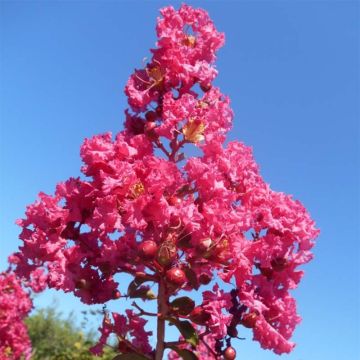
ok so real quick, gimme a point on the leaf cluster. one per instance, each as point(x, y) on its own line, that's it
point(55, 337)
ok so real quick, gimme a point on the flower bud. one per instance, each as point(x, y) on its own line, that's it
point(148, 249)
point(205, 87)
point(176, 276)
point(199, 316)
point(82, 284)
point(116, 294)
point(204, 244)
point(174, 200)
point(204, 279)
point(229, 353)
point(149, 130)
point(249, 320)
point(167, 253)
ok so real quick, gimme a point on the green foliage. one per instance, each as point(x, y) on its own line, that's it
point(54, 337)
point(187, 331)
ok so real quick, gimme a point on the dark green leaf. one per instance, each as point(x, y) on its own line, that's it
point(187, 331)
point(144, 293)
point(135, 284)
point(192, 278)
point(183, 305)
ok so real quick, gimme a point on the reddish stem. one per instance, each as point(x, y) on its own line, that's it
point(162, 310)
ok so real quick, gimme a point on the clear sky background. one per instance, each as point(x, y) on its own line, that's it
point(291, 70)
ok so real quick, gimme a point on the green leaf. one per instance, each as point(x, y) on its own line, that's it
point(130, 356)
point(187, 331)
point(184, 353)
point(183, 305)
point(135, 284)
point(144, 293)
point(191, 276)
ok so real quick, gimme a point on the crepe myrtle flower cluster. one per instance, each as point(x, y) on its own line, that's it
point(15, 304)
point(177, 222)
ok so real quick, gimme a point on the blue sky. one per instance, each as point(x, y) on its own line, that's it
point(291, 70)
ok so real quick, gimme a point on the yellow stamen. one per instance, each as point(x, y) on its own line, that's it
point(190, 41)
point(155, 73)
point(202, 104)
point(8, 351)
point(194, 131)
point(137, 190)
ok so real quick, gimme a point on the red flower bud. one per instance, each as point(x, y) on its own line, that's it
point(205, 87)
point(204, 244)
point(204, 279)
point(229, 353)
point(174, 200)
point(199, 316)
point(149, 130)
point(249, 320)
point(116, 294)
point(176, 276)
point(148, 249)
point(82, 284)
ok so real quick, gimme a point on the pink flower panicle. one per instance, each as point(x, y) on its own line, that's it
point(205, 215)
point(15, 305)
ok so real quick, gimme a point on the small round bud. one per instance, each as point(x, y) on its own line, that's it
point(199, 316)
point(148, 249)
point(229, 353)
point(205, 87)
point(174, 200)
point(176, 276)
point(82, 284)
point(116, 294)
point(149, 130)
point(204, 244)
point(204, 279)
point(249, 320)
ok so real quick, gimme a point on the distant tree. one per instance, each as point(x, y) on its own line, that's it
point(55, 337)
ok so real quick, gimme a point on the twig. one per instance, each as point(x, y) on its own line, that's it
point(142, 311)
point(162, 310)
